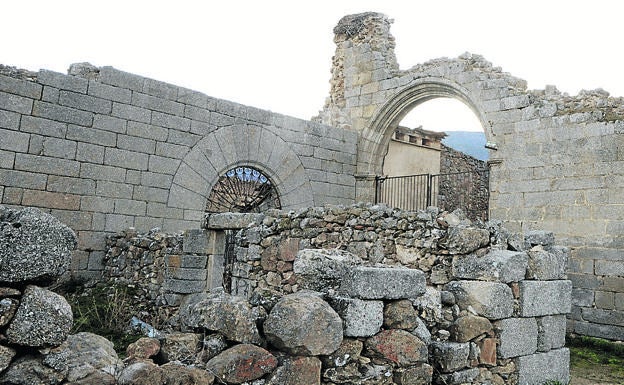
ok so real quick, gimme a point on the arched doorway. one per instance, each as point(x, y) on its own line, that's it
point(413, 168)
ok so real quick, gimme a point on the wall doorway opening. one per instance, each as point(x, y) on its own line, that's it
point(437, 156)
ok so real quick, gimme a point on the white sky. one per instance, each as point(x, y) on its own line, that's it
point(276, 55)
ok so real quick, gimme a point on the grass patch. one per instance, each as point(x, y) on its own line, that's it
point(104, 310)
point(590, 354)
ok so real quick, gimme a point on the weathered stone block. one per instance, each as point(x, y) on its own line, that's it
point(62, 114)
point(517, 336)
point(186, 261)
point(468, 327)
point(539, 237)
point(538, 298)
point(498, 265)
point(232, 220)
point(215, 270)
point(203, 242)
point(460, 377)
point(43, 319)
point(185, 273)
point(551, 332)
point(84, 102)
point(613, 268)
point(20, 87)
point(323, 269)
point(536, 369)
point(383, 283)
point(487, 351)
point(601, 316)
point(400, 315)
point(603, 299)
point(414, 375)
point(397, 346)
point(489, 299)
point(610, 332)
point(126, 111)
point(62, 81)
point(297, 371)
point(105, 91)
point(230, 315)
point(184, 286)
point(449, 356)
point(464, 240)
point(359, 318)
point(582, 297)
point(547, 265)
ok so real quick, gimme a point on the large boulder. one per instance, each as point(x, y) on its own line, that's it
point(143, 348)
point(304, 324)
point(141, 372)
point(84, 355)
point(242, 363)
point(43, 319)
point(36, 247)
point(29, 370)
point(229, 315)
point(182, 347)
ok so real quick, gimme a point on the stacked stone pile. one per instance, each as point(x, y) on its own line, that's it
point(400, 298)
point(494, 304)
point(142, 262)
point(36, 346)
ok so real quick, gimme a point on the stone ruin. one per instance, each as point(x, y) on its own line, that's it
point(104, 150)
point(358, 294)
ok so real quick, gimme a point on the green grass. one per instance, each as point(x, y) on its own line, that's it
point(106, 311)
point(588, 352)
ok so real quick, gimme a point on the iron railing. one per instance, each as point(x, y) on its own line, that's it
point(468, 191)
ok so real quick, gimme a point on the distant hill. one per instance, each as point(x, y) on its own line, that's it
point(468, 142)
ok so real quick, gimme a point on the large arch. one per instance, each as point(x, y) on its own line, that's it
point(233, 146)
point(375, 137)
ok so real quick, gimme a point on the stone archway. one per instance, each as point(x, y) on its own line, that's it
point(375, 137)
point(370, 94)
point(233, 146)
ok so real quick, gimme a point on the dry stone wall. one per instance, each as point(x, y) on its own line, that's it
point(464, 183)
point(420, 296)
point(557, 166)
point(104, 150)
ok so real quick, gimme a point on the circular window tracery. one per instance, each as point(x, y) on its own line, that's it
point(243, 189)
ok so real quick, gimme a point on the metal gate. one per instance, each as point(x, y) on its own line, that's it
point(229, 259)
point(468, 191)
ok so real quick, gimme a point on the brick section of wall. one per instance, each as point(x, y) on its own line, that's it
point(105, 153)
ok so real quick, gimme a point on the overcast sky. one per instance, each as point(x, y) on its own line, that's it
point(276, 55)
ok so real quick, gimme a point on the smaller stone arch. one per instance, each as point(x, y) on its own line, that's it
point(235, 146)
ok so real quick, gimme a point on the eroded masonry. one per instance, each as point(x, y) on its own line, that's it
point(104, 150)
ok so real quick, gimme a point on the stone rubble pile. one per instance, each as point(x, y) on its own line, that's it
point(587, 106)
point(489, 306)
point(369, 295)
